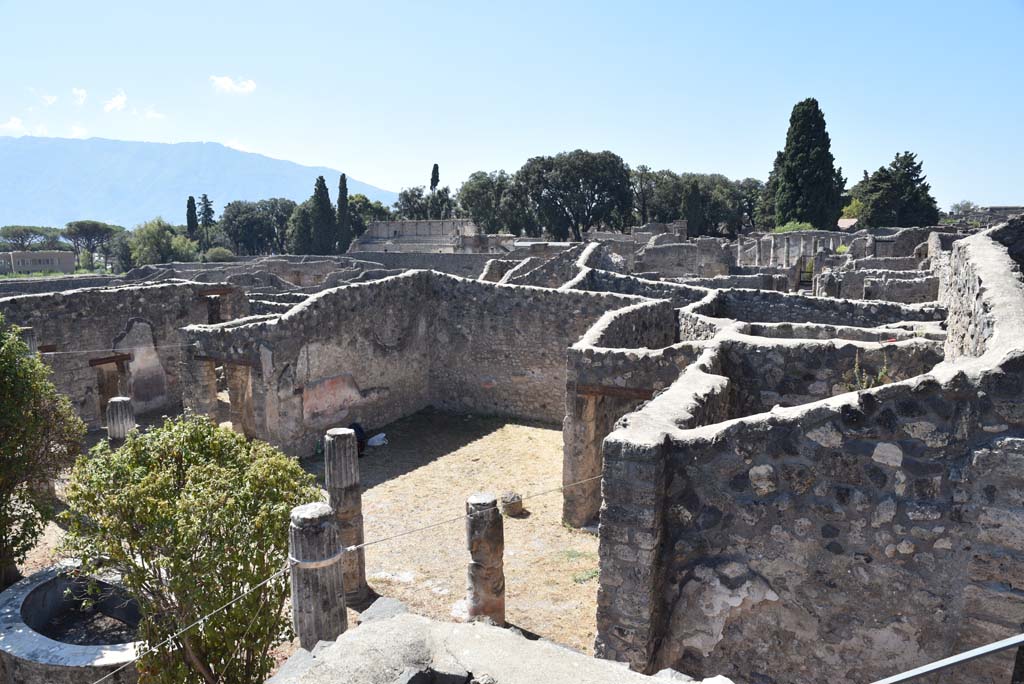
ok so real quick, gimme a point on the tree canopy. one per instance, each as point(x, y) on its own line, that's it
point(40, 435)
point(322, 219)
point(193, 515)
point(897, 195)
point(342, 222)
point(22, 238)
point(191, 219)
point(575, 191)
point(807, 185)
point(157, 242)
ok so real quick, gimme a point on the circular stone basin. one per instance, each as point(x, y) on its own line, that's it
point(47, 636)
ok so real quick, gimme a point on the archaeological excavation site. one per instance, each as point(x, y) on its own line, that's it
point(785, 458)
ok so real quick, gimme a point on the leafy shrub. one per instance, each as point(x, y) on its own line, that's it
point(192, 515)
point(842, 249)
point(40, 434)
point(793, 226)
point(218, 254)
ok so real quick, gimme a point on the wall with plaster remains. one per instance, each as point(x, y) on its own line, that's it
point(110, 341)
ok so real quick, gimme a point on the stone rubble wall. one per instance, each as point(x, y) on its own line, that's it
point(15, 286)
point(501, 350)
point(496, 269)
point(465, 265)
point(760, 281)
point(702, 257)
point(906, 290)
point(100, 322)
point(777, 307)
point(375, 352)
point(844, 539)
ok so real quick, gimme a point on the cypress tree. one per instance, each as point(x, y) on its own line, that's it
point(300, 229)
point(205, 219)
point(191, 218)
point(344, 229)
point(435, 178)
point(810, 187)
point(322, 219)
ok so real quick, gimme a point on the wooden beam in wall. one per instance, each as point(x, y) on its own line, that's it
point(613, 391)
point(211, 291)
point(115, 358)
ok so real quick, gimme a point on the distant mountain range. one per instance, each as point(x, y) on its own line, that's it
point(50, 181)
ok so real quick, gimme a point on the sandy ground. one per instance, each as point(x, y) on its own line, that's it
point(432, 463)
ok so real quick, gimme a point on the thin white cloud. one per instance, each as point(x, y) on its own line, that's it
point(40, 130)
point(79, 95)
point(236, 145)
point(13, 125)
point(151, 113)
point(78, 131)
point(226, 84)
point(49, 99)
point(116, 103)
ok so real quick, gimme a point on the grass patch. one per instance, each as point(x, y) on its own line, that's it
point(574, 555)
point(586, 576)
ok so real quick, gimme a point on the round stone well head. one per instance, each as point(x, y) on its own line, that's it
point(47, 636)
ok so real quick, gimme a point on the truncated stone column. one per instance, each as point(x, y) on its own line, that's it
point(318, 581)
point(341, 454)
point(120, 418)
point(485, 536)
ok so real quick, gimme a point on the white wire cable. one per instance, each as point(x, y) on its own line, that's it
point(315, 564)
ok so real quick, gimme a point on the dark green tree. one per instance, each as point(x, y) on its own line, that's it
point(88, 237)
point(412, 204)
point(576, 191)
point(191, 218)
point(435, 178)
point(40, 435)
point(206, 221)
point(749, 191)
point(300, 229)
point(322, 217)
point(276, 211)
point(250, 230)
point(642, 181)
point(666, 196)
point(810, 187)
point(21, 238)
point(361, 212)
point(342, 220)
point(441, 204)
point(897, 195)
point(480, 198)
point(764, 212)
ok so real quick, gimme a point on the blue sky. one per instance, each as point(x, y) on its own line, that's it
point(383, 90)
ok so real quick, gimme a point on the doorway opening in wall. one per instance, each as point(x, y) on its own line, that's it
point(111, 381)
point(236, 391)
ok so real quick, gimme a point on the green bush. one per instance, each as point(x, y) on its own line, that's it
point(39, 436)
point(219, 254)
point(192, 515)
point(842, 249)
point(793, 226)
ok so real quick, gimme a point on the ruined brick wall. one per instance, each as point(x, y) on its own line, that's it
point(90, 324)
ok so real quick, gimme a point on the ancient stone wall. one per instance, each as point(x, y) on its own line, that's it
point(118, 341)
point(907, 290)
point(15, 286)
point(465, 265)
point(702, 257)
point(759, 281)
point(596, 280)
point(501, 349)
point(767, 307)
point(847, 538)
point(378, 351)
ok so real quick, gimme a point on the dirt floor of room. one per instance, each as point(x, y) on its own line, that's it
point(432, 462)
